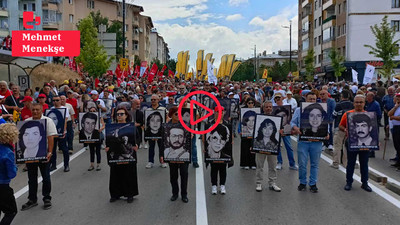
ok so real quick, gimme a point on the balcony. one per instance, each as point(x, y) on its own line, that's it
point(329, 23)
point(332, 17)
point(328, 43)
point(327, 4)
point(305, 3)
point(3, 12)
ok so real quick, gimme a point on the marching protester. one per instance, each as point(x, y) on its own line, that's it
point(394, 117)
point(8, 170)
point(247, 158)
point(95, 146)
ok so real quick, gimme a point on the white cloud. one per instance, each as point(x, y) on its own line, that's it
point(237, 2)
point(234, 17)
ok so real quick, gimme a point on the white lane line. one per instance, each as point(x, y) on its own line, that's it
point(378, 191)
point(40, 179)
point(201, 204)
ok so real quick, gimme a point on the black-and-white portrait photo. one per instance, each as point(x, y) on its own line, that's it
point(89, 126)
point(218, 143)
point(206, 101)
point(153, 123)
point(147, 98)
point(108, 102)
point(58, 117)
point(234, 108)
point(177, 142)
point(144, 106)
point(32, 143)
point(313, 121)
point(266, 136)
point(120, 138)
point(248, 118)
point(285, 112)
point(226, 103)
point(363, 131)
point(185, 113)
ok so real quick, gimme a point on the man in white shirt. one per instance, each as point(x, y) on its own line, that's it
point(354, 88)
point(70, 124)
point(32, 168)
point(290, 101)
point(60, 140)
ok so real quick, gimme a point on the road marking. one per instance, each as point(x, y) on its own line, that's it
point(40, 179)
point(201, 204)
point(378, 191)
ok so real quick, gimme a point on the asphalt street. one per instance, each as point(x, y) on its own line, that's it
point(82, 197)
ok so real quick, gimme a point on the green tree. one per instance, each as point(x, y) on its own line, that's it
point(116, 27)
point(244, 72)
point(93, 56)
point(98, 19)
point(309, 62)
point(337, 63)
point(171, 65)
point(386, 47)
point(137, 61)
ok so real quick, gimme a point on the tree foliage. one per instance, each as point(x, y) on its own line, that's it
point(280, 71)
point(386, 48)
point(337, 62)
point(244, 72)
point(98, 19)
point(309, 62)
point(93, 56)
point(171, 65)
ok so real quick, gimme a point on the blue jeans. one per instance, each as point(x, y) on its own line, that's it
point(61, 145)
point(313, 151)
point(363, 157)
point(152, 146)
point(289, 151)
point(70, 136)
point(194, 149)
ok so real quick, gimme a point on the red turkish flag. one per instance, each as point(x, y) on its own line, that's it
point(137, 71)
point(171, 74)
point(152, 73)
point(118, 71)
point(96, 82)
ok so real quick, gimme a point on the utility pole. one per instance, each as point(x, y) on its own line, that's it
point(123, 28)
point(290, 47)
point(255, 63)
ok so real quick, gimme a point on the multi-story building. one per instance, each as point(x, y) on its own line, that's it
point(270, 60)
point(344, 25)
point(159, 49)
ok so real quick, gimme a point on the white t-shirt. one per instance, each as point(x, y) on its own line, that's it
point(291, 102)
point(71, 111)
point(354, 89)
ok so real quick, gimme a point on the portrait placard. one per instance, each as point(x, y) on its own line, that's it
point(32, 143)
point(313, 121)
point(144, 106)
point(247, 118)
point(234, 108)
point(267, 138)
point(58, 117)
point(206, 101)
point(153, 123)
point(120, 139)
point(218, 143)
point(89, 126)
point(177, 142)
point(226, 103)
point(108, 102)
point(285, 112)
point(363, 131)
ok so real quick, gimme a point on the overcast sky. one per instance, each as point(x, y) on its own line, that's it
point(223, 26)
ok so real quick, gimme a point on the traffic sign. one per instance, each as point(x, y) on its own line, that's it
point(123, 63)
point(210, 112)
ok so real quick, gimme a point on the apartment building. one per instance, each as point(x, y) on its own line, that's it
point(270, 60)
point(159, 49)
point(344, 25)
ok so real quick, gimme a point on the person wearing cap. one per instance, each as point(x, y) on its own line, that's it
point(42, 101)
point(99, 102)
point(394, 116)
point(13, 102)
point(388, 104)
point(70, 124)
point(49, 95)
point(290, 101)
point(73, 102)
point(26, 111)
point(53, 87)
point(258, 95)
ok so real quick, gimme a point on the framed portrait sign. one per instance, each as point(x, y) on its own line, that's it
point(313, 121)
point(234, 108)
point(58, 117)
point(363, 131)
point(285, 112)
point(177, 142)
point(153, 123)
point(120, 138)
point(32, 143)
point(144, 106)
point(89, 127)
point(247, 121)
point(226, 103)
point(206, 101)
point(186, 115)
point(218, 144)
point(108, 102)
point(267, 138)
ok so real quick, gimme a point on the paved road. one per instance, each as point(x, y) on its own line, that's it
point(81, 197)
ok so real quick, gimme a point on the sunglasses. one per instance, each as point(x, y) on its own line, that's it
point(250, 103)
point(153, 99)
point(120, 114)
point(56, 100)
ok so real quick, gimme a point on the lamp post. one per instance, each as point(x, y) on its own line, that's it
point(123, 28)
point(255, 63)
point(290, 45)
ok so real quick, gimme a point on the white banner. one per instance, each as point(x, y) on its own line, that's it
point(369, 74)
point(355, 75)
point(210, 72)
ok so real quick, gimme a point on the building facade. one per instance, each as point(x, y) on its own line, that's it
point(159, 49)
point(345, 25)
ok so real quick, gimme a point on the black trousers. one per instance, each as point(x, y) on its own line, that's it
point(215, 169)
point(33, 180)
point(396, 140)
point(95, 148)
point(7, 204)
point(176, 169)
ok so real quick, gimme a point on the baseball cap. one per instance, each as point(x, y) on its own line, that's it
point(216, 109)
point(94, 92)
point(278, 95)
point(42, 96)
point(66, 82)
point(27, 99)
point(230, 93)
point(80, 82)
point(70, 91)
point(246, 93)
point(397, 94)
point(289, 93)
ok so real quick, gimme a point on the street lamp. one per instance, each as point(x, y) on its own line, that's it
point(255, 63)
point(290, 45)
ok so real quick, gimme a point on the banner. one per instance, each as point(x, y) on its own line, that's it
point(265, 74)
point(355, 75)
point(152, 73)
point(170, 74)
point(234, 68)
point(137, 71)
point(369, 74)
point(229, 64)
point(208, 58)
point(222, 65)
point(210, 71)
point(199, 61)
point(143, 67)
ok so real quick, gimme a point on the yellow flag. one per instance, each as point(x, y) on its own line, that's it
point(265, 74)
point(234, 68)
point(229, 64)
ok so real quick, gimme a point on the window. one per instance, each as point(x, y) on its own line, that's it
point(339, 30)
point(3, 4)
point(315, 5)
point(396, 25)
point(71, 2)
point(319, 39)
point(126, 27)
point(328, 34)
point(339, 8)
point(33, 7)
point(25, 7)
point(319, 21)
point(344, 29)
point(344, 51)
point(315, 60)
point(90, 4)
point(320, 58)
point(315, 23)
point(135, 45)
point(71, 18)
point(4, 23)
point(395, 3)
point(306, 44)
point(315, 41)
